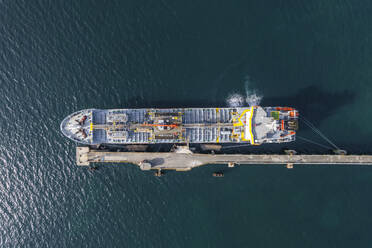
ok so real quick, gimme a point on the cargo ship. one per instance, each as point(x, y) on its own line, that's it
point(250, 125)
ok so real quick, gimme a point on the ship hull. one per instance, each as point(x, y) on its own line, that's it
point(249, 125)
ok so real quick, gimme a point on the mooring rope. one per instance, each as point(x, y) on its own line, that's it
point(235, 146)
point(313, 142)
point(316, 130)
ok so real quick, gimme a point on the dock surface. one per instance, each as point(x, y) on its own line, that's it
point(183, 161)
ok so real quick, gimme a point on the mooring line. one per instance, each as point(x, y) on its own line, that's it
point(236, 146)
point(313, 142)
point(316, 130)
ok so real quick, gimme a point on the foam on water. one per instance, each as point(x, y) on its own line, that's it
point(235, 100)
point(251, 97)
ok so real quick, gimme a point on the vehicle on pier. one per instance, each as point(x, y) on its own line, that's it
point(251, 125)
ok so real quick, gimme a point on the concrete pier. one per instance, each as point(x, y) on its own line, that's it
point(184, 160)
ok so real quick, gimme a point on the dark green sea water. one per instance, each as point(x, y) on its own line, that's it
point(57, 57)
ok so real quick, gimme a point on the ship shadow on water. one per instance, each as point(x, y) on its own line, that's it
point(314, 103)
point(178, 104)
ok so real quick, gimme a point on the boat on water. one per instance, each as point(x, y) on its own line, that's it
point(218, 174)
point(249, 125)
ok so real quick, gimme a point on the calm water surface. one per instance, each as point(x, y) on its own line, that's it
point(57, 57)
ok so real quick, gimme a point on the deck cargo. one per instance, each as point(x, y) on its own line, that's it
point(252, 125)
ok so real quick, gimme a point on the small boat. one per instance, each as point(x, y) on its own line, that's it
point(159, 173)
point(218, 174)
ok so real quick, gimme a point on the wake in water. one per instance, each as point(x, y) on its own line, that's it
point(235, 100)
point(252, 98)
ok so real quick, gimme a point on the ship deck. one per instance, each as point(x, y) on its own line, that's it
point(197, 125)
point(251, 125)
